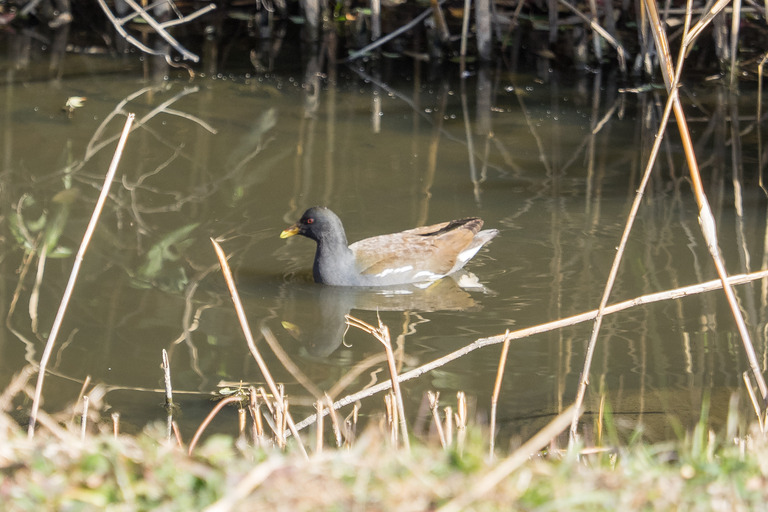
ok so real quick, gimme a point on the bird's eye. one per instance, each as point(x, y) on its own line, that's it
point(310, 220)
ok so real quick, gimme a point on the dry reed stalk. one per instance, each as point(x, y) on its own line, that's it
point(249, 339)
point(351, 425)
point(266, 400)
point(241, 421)
point(382, 334)
point(434, 399)
point(600, 416)
point(334, 421)
point(461, 420)
point(448, 428)
point(758, 117)
point(166, 366)
point(80, 396)
point(273, 415)
point(289, 365)
point(219, 406)
point(115, 424)
point(73, 275)
point(319, 428)
point(177, 434)
point(279, 423)
point(497, 390)
point(439, 19)
point(375, 19)
point(84, 418)
point(735, 22)
point(483, 29)
point(464, 32)
point(254, 407)
point(675, 293)
point(284, 420)
point(755, 402)
point(493, 477)
point(391, 412)
point(691, 35)
point(706, 219)
point(258, 427)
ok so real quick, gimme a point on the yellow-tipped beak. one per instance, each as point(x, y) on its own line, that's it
point(288, 232)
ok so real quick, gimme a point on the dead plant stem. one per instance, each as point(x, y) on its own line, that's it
point(672, 294)
point(251, 344)
point(382, 334)
point(219, 406)
point(497, 390)
point(73, 275)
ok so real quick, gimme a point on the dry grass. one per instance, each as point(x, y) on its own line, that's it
point(60, 472)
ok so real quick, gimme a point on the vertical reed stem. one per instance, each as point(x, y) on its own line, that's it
point(497, 390)
point(75, 270)
point(84, 419)
point(166, 366)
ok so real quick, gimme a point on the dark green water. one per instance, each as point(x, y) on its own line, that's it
point(550, 160)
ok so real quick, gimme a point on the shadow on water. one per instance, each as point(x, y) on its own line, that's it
point(240, 150)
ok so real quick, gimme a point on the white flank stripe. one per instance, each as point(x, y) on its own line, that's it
point(398, 270)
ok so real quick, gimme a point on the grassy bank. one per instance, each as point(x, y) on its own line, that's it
point(57, 470)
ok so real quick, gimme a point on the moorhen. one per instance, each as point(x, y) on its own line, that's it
point(419, 255)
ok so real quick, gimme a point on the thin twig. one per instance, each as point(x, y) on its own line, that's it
point(73, 275)
point(166, 366)
point(676, 293)
point(434, 400)
point(219, 406)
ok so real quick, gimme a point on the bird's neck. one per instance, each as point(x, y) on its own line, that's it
point(332, 254)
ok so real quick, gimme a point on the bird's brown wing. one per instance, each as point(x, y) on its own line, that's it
point(429, 248)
